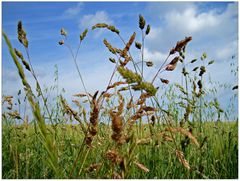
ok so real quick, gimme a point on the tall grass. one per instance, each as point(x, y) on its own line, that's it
point(145, 137)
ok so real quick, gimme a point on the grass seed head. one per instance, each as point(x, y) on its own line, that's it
point(93, 125)
point(128, 45)
point(63, 32)
point(149, 63)
point(20, 55)
point(142, 167)
point(109, 46)
point(113, 156)
point(113, 29)
point(22, 35)
point(15, 115)
point(165, 81)
point(138, 45)
point(148, 29)
point(141, 22)
point(8, 99)
point(172, 65)
point(202, 70)
point(184, 132)
point(199, 83)
point(153, 120)
point(112, 60)
point(127, 59)
point(99, 25)
point(93, 167)
point(180, 44)
point(129, 75)
point(83, 35)
point(109, 27)
point(61, 42)
point(182, 160)
point(117, 121)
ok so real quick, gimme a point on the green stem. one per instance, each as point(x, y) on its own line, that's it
point(76, 160)
point(40, 89)
point(76, 65)
point(84, 159)
point(142, 51)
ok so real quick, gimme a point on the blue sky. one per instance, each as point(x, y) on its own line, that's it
point(213, 27)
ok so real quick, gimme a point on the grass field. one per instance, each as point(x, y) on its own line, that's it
point(24, 155)
point(130, 130)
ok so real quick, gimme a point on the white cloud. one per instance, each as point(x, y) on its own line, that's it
point(227, 50)
point(10, 81)
point(87, 21)
point(92, 19)
point(161, 9)
point(192, 22)
point(73, 11)
point(155, 56)
point(205, 28)
point(9, 75)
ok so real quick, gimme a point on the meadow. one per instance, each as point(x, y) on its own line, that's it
point(127, 131)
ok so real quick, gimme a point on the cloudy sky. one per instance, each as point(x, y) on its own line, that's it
point(213, 27)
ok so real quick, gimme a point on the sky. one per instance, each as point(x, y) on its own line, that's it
point(212, 25)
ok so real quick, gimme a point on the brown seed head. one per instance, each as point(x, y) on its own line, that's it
point(15, 114)
point(22, 36)
point(128, 45)
point(149, 63)
point(141, 167)
point(113, 156)
point(63, 32)
point(180, 44)
point(165, 81)
point(61, 42)
point(93, 167)
point(127, 59)
point(182, 160)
